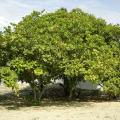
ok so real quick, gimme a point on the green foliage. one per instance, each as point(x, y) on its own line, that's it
point(112, 87)
point(73, 44)
point(9, 77)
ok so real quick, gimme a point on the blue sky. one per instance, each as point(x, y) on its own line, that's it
point(14, 10)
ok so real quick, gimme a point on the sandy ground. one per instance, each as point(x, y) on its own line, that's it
point(62, 111)
point(79, 111)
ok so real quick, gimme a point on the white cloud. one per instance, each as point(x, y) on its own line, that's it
point(14, 10)
point(99, 9)
point(3, 22)
point(109, 16)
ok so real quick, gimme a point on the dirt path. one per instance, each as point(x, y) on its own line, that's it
point(75, 111)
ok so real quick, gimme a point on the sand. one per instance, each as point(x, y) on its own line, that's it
point(75, 111)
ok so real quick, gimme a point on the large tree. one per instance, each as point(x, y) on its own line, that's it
point(74, 45)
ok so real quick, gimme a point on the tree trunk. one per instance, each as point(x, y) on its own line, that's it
point(71, 93)
point(34, 93)
point(40, 90)
point(66, 87)
point(33, 86)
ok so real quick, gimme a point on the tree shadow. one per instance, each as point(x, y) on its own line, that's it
point(11, 102)
point(64, 103)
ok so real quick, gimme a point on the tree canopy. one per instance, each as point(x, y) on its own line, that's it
point(75, 45)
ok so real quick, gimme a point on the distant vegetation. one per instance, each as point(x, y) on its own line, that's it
point(73, 45)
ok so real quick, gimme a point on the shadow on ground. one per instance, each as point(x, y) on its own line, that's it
point(11, 102)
